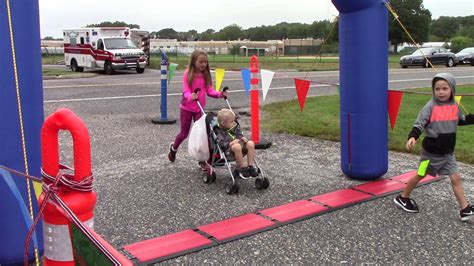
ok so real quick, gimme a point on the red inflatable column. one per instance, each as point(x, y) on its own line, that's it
point(57, 241)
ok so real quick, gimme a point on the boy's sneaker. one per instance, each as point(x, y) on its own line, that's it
point(406, 204)
point(236, 173)
point(466, 213)
point(172, 153)
point(252, 171)
point(240, 173)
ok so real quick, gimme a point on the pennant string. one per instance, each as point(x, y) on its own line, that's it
point(463, 108)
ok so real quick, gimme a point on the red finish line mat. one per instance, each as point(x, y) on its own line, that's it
point(209, 235)
point(236, 227)
point(341, 198)
point(171, 244)
point(293, 211)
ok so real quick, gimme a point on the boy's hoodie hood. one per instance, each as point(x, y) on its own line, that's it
point(451, 82)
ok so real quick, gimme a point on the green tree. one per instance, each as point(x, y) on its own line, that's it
point(207, 35)
point(298, 31)
point(460, 42)
point(256, 34)
point(188, 36)
point(282, 30)
point(167, 33)
point(231, 32)
point(114, 24)
point(414, 17)
point(445, 27)
point(467, 31)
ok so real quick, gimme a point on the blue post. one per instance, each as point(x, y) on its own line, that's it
point(21, 117)
point(164, 86)
point(363, 60)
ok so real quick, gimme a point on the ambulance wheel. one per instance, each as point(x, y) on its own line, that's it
point(140, 70)
point(231, 188)
point(108, 68)
point(75, 67)
point(262, 183)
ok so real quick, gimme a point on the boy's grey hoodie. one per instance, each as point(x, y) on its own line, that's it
point(439, 120)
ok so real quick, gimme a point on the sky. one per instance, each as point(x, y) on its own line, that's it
point(184, 15)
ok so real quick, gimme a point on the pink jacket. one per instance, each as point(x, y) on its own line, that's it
point(187, 103)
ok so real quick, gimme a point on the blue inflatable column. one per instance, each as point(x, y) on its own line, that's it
point(363, 55)
point(164, 94)
point(21, 117)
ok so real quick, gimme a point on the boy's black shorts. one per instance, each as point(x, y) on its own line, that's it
point(244, 148)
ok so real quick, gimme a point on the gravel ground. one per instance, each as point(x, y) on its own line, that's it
point(141, 195)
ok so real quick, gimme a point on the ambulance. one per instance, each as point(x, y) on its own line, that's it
point(107, 48)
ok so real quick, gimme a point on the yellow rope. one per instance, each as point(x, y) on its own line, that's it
point(395, 15)
point(389, 7)
point(23, 142)
point(327, 37)
point(322, 45)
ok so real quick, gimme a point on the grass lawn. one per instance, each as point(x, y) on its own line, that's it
point(320, 119)
point(229, 62)
point(301, 63)
point(56, 72)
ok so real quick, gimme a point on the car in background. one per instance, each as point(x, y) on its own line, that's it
point(436, 55)
point(466, 56)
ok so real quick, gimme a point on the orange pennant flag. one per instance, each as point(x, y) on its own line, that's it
point(394, 102)
point(302, 87)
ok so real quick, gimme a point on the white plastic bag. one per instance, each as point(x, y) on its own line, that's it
point(198, 146)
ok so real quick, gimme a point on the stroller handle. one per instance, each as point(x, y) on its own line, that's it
point(226, 99)
point(224, 90)
point(198, 102)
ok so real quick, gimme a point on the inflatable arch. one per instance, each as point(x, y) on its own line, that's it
point(21, 117)
point(363, 60)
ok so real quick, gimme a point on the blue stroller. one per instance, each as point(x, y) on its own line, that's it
point(221, 159)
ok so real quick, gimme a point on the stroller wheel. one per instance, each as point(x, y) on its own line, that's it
point(262, 183)
point(231, 189)
point(209, 178)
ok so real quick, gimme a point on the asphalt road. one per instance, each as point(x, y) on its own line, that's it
point(141, 195)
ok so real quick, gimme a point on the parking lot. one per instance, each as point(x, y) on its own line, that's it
point(141, 195)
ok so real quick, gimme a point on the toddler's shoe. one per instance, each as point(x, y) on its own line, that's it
point(466, 213)
point(252, 171)
point(172, 153)
point(240, 172)
point(236, 173)
point(407, 204)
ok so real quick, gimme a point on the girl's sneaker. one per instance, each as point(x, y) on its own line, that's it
point(407, 204)
point(204, 166)
point(466, 213)
point(172, 153)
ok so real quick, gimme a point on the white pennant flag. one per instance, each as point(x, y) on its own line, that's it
point(267, 77)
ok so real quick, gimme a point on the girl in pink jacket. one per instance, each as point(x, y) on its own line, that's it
point(197, 76)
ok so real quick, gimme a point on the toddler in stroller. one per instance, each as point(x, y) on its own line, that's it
point(231, 140)
point(228, 147)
